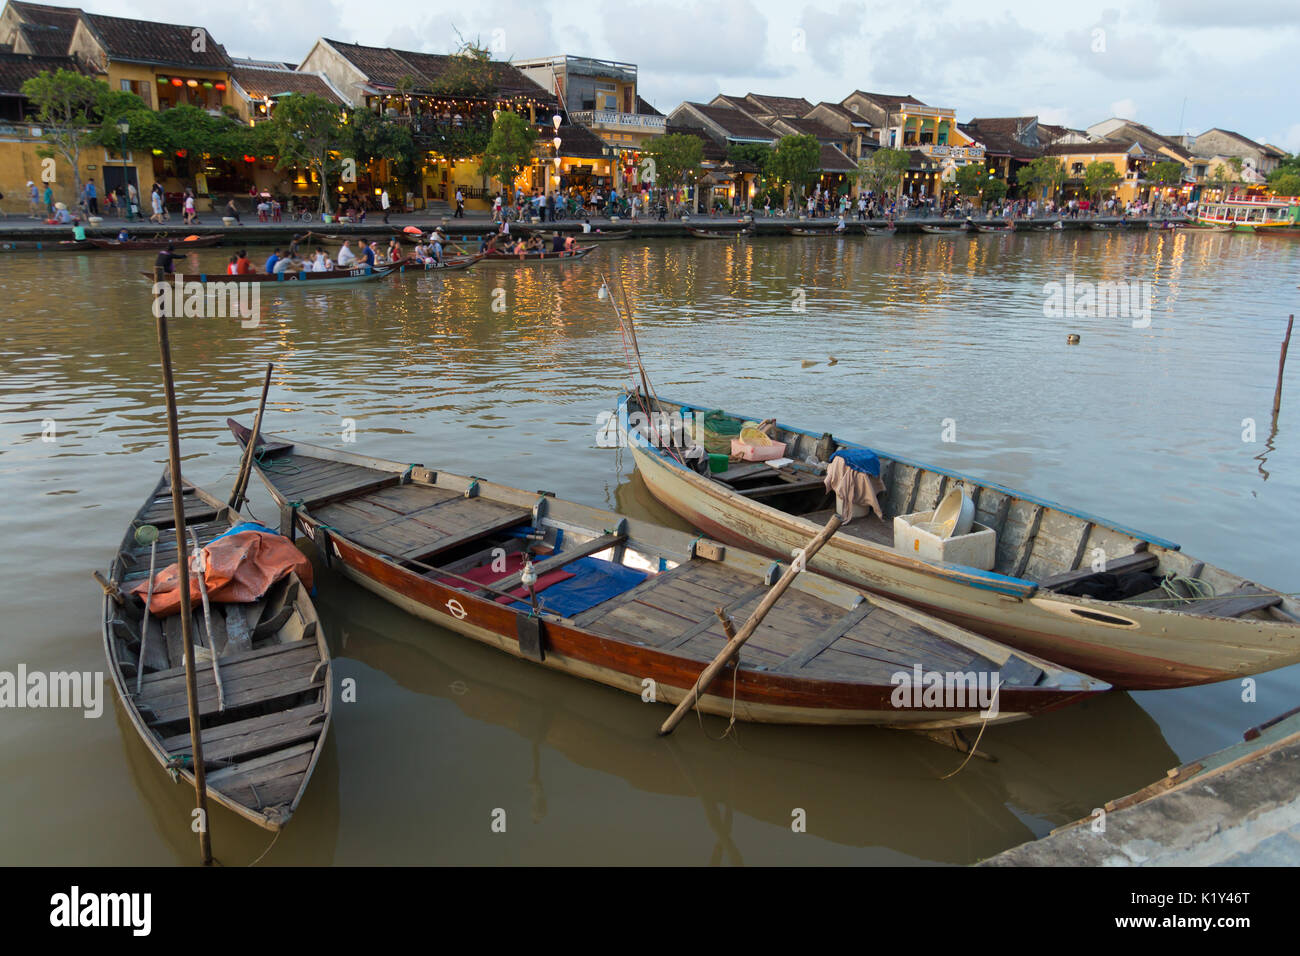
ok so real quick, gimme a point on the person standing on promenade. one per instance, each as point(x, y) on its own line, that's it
point(383, 203)
point(48, 197)
point(34, 198)
point(191, 213)
point(92, 198)
point(460, 204)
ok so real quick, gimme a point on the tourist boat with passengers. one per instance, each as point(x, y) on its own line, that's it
point(1250, 214)
point(285, 280)
point(1086, 592)
point(540, 257)
point(265, 701)
point(630, 604)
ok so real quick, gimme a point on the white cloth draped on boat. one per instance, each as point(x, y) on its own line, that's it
point(853, 487)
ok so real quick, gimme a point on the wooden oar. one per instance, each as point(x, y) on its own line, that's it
point(146, 533)
point(735, 643)
point(246, 465)
point(200, 568)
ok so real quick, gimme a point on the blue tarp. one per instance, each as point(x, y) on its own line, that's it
point(246, 526)
point(596, 581)
point(860, 459)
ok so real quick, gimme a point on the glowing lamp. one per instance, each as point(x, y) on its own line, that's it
point(180, 153)
point(162, 79)
point(192, 84)
point(219, 86)
point(207, 84)
point(177, 81)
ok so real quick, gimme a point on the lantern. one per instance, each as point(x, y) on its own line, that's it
point(162, 79)
point(207, 84)
point(219, 86)
point(177, 81)
point(180, 154)
point(192, 84)
point(249, 159)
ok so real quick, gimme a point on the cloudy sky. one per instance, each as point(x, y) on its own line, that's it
point(1176, 65)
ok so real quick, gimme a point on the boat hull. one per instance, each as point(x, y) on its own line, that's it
point(1130, 646)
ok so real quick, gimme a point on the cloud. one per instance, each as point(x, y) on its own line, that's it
point(1124, 109)
point(727, 38)
point(825, 32)
point(1212, 14)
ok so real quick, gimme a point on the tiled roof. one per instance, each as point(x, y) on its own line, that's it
point(644, 108)
point(386, 67)
point(143, 41)
point(843, 113)
point(811, 127)
point(779, 105)
point(18, 68)
point(1104, 146)
point(736, 124)
point(886, 101)
point(576, 140)
point(1245, 139)
point(713, 152)
point(46, 40)
point(45, 14)
point(834, 161)
point(1000, 135)
point(259, 82)
point(1049, 133)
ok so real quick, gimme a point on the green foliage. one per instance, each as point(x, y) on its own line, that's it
point(470, 72)
point(68, 107)
point(796, 159)
point(882, 171)
point(1099, 177)
point(977, 182)
point(1288, 166)
point(459, 142)
point(509, 148)
point(678, 158)
point(1287, 184)
point(309, 131)
point(1167, 173)
point(757, 154)
point(1043, 175)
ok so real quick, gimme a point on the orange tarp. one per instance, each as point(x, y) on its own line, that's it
point(240, 568)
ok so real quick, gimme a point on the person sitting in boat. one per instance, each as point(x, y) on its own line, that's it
point(394, 251)
point(376, 254)
point(124, 236)
point(290, 263)
point(557, 242)
point(320, 262)
point(232, 265)
point(243, 266)
point(272, 261)
point(435, 249)
point(570, 245)
point(536, 244)
point(347, 258)
point(368, 253)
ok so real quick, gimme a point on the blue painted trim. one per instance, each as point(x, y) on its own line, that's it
point(1103, 522)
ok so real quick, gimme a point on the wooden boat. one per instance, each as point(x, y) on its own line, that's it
point(260, 750)
point(797, 231)
point(641, 605)
point(159, 242)
point(607, 235)
point(959, 229)
point(1190, 623)
point(450, 263)
point(720, 233)
point(543, 258)
point(1287, 232)
point(1206, 227)
point(1009, 227)
point(881, 232)
point(46, 245)
point(1047, 227)
point(1103, 226)
point(295, 280)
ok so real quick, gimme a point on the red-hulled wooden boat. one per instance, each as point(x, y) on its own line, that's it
point(635, 608)
point(159, 242)
point(543, 257)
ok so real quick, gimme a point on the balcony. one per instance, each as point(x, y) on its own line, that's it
point(970, 153)
point(628, 121)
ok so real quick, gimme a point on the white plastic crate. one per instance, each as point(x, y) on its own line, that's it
point(977, 549)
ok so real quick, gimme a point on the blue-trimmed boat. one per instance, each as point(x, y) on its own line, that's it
point(295, 280)
point(1074, 588)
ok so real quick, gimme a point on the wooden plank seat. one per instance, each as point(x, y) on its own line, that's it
point(554, 562)
point(1235, 603)
point(240, 738)
point(787, 487)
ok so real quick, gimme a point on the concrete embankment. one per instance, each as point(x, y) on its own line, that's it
point(29, 234)
point(1237, 807)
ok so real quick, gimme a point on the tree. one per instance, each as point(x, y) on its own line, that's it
point(509, 149)
point(1167, 173)
point(1043, 175)
point(1288, 184)
point(978, 183)
point(882, 172)
point(1099, 177)
point(307, 130)
point(370, 136)
point(797, 160)
point(470, 72)
point(67, 106)
point(756, 154)
point(677, 158)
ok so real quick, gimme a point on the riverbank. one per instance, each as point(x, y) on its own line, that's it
point(1239, 806)
point(28, 234)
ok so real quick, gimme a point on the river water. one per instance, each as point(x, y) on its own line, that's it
point(942, 351)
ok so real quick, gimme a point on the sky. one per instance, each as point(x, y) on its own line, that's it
point(1179, 66)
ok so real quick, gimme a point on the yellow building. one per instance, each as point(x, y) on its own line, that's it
point(1130, 160)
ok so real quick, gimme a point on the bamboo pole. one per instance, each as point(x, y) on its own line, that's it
point(201, 569)
point(711, 672)
point(1281, 365)
point(183, 576)
point(237, 497)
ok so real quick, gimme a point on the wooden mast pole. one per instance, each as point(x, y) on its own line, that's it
point(237, 496)
point(1281, 365)
point(183, 576)
point(711, 672)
